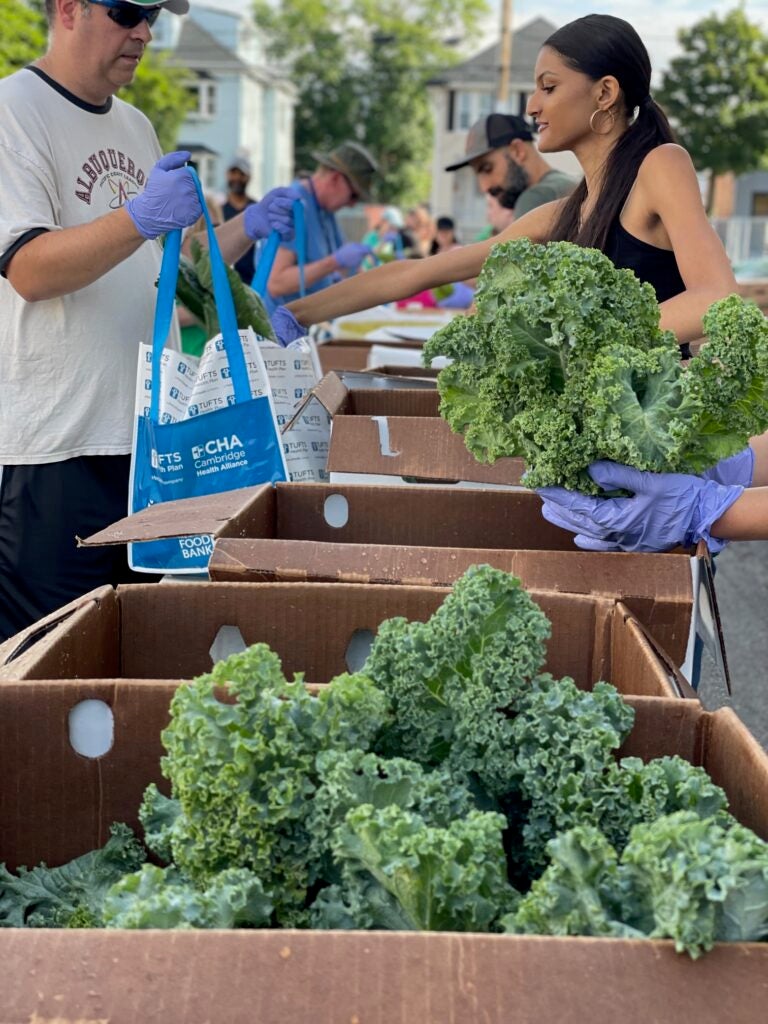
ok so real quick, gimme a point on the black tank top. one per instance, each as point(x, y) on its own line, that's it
point(656, 266)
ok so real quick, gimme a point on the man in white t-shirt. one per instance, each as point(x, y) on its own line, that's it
point(84, 193)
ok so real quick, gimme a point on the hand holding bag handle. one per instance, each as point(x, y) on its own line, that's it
point(225, 307)
point(269, 252)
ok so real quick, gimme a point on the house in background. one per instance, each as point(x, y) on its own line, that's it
point(241, 104)
point(462, 94)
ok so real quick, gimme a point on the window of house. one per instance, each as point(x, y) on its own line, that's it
point(484, 105)
point(203, 92)
point(760, 204)
point(464, 117)
point(206, 170)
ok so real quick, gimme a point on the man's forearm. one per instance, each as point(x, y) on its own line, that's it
point(286, 281)
point(746, 519)
point(59, 262)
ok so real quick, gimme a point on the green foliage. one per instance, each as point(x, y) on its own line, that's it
point(158, 91)
point(716, 92)
point(194, 289)
point(243, 772)
point(23, 37)
point(70, 896)
point(452, 679)
point(361, 68)
point(564, 363)
point(161, 898)
point(440, 878)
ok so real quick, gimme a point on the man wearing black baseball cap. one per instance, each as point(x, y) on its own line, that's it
point(501, 152)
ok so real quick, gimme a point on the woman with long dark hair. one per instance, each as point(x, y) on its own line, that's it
point(639, 201)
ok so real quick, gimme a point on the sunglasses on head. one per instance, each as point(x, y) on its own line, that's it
point(128, 15)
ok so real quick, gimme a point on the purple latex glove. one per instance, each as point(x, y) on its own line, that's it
point(273, 213)
point(739, 469)
point(666, 510)
point(461, 297)
point(351, 255)
point(169, 199)
point(286, 327)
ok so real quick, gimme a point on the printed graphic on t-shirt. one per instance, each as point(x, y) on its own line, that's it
point(113, 173)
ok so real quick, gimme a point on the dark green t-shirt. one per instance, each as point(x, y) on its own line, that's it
point(554, 185)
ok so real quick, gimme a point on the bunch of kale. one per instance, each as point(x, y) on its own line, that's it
point(564, 363)
point(450, 785)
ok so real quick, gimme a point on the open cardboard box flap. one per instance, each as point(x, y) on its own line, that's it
point(289, 977)
point(423, 535)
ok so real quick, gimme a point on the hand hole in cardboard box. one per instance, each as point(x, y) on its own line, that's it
point(228, 640)
point(91, 728)
point(336, 510)
point(358, 649)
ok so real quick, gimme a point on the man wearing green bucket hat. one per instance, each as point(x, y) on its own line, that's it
point(343, 177)
point(85, 193)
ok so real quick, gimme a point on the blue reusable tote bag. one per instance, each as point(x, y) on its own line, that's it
point(207, 452)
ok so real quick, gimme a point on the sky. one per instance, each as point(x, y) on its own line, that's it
point(657, 21)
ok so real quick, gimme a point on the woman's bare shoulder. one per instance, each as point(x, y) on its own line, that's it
point(667, 158)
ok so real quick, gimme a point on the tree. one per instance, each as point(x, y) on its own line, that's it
point(159, 92)
point(716, 94)
point(23, 37)
point(361, 68)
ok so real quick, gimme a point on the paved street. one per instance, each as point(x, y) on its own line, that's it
point(742, 592)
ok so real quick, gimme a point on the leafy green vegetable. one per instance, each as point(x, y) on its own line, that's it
point(702, 880)
point(564, 363)
point(453, 679)
point(70, 896)
point(194, 289)
point(244, 772)
point(451, 878)
point(161, 898)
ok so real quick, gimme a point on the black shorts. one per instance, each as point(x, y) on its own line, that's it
point(42, 510)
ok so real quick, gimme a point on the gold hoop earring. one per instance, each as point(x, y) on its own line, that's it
point(610, 114)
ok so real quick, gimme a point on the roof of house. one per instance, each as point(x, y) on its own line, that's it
point(197, 48)
point(483, 68)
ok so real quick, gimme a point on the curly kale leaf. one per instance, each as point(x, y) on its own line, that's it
point(70, 896)
point(699, 880)
point(561, 748)
point(451, 680)
point(249, 308)
point(349, 779)
point(161, 898)
point(645, 792)
point(580, 893)
point(397, 871)
point(564, 363)
point(241, 750)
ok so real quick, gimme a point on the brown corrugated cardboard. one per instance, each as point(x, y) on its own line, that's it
point(55, 804)
point(414, 535)
point(167, 632)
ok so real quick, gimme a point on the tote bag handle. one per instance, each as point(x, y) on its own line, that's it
point(225, 307)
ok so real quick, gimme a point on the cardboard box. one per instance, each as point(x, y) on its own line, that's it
point(417, 536)
point(56, 804)
point(398, 436)
point(351, 353)
point(178, 630)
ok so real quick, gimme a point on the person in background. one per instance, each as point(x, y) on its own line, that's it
point(501, 152)
point(639, 201)
point(498, 216)
point(85, 195)
point(421, 228)
point(237, 199)
point(342, 178)
point(445, 236)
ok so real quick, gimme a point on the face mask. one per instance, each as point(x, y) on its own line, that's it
point(236, 186)
point(516, 182)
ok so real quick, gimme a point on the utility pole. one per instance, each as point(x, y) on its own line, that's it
point(502, 96)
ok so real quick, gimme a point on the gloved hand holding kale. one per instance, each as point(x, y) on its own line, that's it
point(564, 364)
